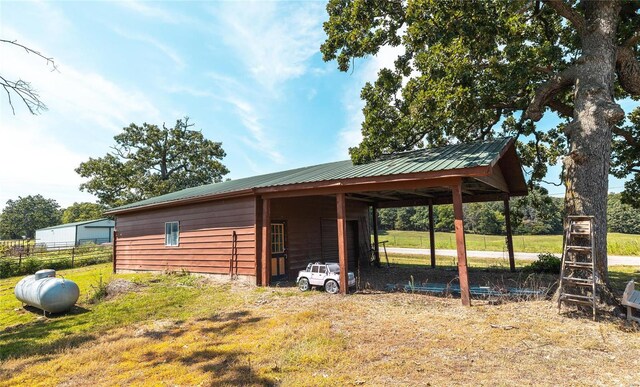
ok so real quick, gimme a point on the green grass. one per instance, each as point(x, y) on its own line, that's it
point(619, 275)
point(163, 297)
point(184, 330)
point(618, 244)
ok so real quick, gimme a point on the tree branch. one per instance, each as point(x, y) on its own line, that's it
point(632, 40)
point(546, 92)
point(628, 69)
point(32, 51)
point(561, 108)
point(626, 135)
point(563, 9)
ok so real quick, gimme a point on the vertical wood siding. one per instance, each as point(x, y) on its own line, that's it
point(305, 217)
point(206, 238)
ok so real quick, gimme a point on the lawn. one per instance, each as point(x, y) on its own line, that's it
point(618, 244)
point(186, 330)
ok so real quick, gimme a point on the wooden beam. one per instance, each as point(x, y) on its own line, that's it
point(376, 182)
point(353, 197)
point(115, 239)
point(380, 196)
point(495, 180)
point(258, 242)
point(342, 242)
point(456, 191)
point(370, 186)
point(404, 203)
point(414, 192)
point(266, 242)
point(376, 243)
point(507, 220)
point(432, 237)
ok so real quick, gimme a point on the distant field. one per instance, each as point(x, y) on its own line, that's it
point(619, 244)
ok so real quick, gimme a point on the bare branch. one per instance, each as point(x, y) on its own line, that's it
point(547, 92)
point(49, 60)
point(563, 9)
point(23, 89)
point(628, 70)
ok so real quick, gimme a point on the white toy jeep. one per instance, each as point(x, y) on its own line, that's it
point(323, 274)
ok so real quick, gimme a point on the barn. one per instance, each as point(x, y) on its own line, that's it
point(73, 234)
point(265, 228)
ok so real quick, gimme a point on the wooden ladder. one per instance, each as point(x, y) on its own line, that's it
point(577, 275)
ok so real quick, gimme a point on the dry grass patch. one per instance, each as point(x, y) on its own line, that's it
point(181, 330)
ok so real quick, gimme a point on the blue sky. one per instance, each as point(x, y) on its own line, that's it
point(247, 74)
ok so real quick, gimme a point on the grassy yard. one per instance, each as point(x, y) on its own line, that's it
point(618, 244)
point(186, 330)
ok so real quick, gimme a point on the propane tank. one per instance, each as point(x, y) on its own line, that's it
point(44, 291)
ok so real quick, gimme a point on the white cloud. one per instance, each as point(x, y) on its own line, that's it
point(351, 134)
point(156, 13)
point(39, 153)
point(273, 40)
point(251, 120)
point(165, 49)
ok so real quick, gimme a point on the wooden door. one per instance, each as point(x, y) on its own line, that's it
point(278, 251)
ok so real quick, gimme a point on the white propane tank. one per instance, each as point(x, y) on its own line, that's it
point(44, 291)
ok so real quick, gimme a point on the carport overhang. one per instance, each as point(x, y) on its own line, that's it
point(500, 180)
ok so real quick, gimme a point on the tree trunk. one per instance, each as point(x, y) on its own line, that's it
point(589, 134)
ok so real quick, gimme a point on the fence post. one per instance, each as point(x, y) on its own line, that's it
point(73, 255)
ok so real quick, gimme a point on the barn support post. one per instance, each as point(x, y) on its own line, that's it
point(342, 242)
point(507, 220)
point(257, 229)
point(456, 191)
point(115, 238)
point(266, 242)
point(432, 236)
point(376, 244)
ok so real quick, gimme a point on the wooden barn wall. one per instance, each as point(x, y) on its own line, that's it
point(305, 217)
point(206, 238)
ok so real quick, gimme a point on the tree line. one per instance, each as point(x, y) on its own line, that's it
point(535, 214)
point(21, 217)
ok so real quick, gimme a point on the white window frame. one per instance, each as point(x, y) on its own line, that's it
point(167, 234)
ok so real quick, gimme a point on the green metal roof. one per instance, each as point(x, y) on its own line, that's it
point(450, 157)
point(74, 224)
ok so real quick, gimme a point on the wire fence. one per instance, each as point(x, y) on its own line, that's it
point(40, 258)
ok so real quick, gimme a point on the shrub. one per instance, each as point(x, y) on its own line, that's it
point(546, 263)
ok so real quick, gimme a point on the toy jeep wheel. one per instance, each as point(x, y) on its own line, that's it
point(303, 284)
point(331, 286)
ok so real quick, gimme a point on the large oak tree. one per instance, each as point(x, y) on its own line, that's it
point(472, 70)
point(149, 160)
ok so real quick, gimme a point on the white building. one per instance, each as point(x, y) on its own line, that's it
point(73, 234)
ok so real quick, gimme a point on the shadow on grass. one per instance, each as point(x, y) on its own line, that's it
point(23, 340)
point(224, 365)
point(619, 279)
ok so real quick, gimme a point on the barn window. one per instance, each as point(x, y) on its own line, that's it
point(277, 238)
point(171, 233)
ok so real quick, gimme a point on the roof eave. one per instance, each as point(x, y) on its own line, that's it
point(190, 200)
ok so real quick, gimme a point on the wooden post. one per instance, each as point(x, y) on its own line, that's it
point(507, 220)
point(461, 244)
point(73, 255)
point(115, 238)
point(376, 243)
point(342, 242)
point(266, 242)
point(432, 236)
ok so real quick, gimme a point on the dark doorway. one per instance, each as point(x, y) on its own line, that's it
point(330, 242)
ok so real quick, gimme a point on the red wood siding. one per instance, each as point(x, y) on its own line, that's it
point(304, 217)
point(206, 238)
